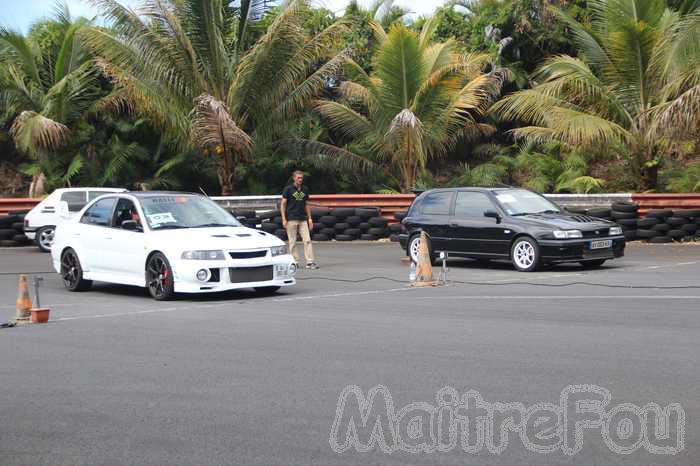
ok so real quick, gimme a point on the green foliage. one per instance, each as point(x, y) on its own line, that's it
point(421, 99)
point(682, 179)
point(634, 83)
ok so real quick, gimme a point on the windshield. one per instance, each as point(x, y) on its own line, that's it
point(185, 211)
point(522, 202)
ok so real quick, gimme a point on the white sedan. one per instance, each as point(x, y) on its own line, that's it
point(169, 243)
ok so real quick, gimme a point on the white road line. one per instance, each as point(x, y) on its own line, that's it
point(556, 297)
point(118, 314)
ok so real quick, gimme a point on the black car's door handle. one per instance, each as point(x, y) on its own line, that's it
point(453, 224)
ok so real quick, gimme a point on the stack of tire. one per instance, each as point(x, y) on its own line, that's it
point(349, 224)
point(397, 228)
point(12, 230)
point(626, 214)
point(247, 217)
point(340, 224)
point(271, 222)
point(667, 226)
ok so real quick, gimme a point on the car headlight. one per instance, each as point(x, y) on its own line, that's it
point(567, 234)
point(615, 230)
point(203, 255)
point(279, 250)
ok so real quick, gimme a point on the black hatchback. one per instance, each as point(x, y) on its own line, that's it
point(509, 224)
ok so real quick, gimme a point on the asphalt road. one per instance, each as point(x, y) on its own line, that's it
point(116, 378)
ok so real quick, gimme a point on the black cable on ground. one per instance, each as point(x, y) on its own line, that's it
point(27, 273)
point(552, 285)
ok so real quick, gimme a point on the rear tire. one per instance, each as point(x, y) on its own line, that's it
point(72, 272)
point(44, 238)
point(159, 278)
point(266, 290)
point(525, 254)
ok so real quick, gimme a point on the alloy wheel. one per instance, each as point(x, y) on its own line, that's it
point(70, 269)
point(524, 255)
point(158, 277)
point(414, 249)
point(46, 236)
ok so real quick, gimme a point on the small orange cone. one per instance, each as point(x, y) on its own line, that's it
point(424, 268)
point(24, 301)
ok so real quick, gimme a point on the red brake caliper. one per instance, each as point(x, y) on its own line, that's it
point(164, 272)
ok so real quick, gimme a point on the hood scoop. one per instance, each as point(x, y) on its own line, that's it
point(583, 219)
point(220, 236)
point(242, 235)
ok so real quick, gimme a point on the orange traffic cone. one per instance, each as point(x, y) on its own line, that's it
point(24, 301)
point(424, 268)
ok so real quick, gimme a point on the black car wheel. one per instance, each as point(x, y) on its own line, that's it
point(414, 248)
point(525, 254)
point(72, 272)
point(593, 264)
point(159, 277)
point(44, 238)
point(266, 290)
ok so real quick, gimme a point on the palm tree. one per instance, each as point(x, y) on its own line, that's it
point(47, 86)
point(635, 84)
point(183, 64)
point(420, 100)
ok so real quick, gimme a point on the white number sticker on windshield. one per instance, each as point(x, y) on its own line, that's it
point(159, 219)
point(506, 198)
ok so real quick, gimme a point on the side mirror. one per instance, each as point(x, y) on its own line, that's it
point(131, 225)
point(63, 210)
point(493, 214)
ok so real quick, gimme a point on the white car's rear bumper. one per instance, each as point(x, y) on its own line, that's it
point(233, 275)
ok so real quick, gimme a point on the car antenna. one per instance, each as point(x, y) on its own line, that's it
point(203, 191)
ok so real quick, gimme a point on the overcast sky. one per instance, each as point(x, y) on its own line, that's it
point(19, 14)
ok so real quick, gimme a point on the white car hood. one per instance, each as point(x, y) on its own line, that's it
point(225, 238)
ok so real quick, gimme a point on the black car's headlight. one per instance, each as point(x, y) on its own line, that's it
point(567, 234)
point(615, 231)
point(203, 255)
point(279, 250)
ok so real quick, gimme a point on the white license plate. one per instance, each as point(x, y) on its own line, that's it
point(602, 244)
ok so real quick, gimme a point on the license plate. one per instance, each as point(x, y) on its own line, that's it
point(602, 244)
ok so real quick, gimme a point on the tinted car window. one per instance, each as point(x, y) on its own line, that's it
point(436, 204)
point(75, 200)
point(100, 213)
point(472, 204)
point(125, 210)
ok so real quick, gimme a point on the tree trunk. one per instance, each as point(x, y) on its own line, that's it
point(225, 175)
point(37, 187)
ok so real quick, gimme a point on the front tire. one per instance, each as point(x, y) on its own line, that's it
point(413, 249)
point(159, 277)
point(44, 238)
point(72, 272)
point(525, 254)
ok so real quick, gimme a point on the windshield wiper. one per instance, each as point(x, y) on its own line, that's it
point(549, 212)
point(208, 225)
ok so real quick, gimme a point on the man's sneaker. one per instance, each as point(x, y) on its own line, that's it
point(312, 265)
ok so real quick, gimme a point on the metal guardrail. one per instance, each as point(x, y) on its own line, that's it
point(648, 201)
point(17, 204)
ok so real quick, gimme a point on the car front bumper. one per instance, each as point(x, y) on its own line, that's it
point(233, 274)
point(577, 250)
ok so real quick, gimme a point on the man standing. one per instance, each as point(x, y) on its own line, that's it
point(296, 216)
